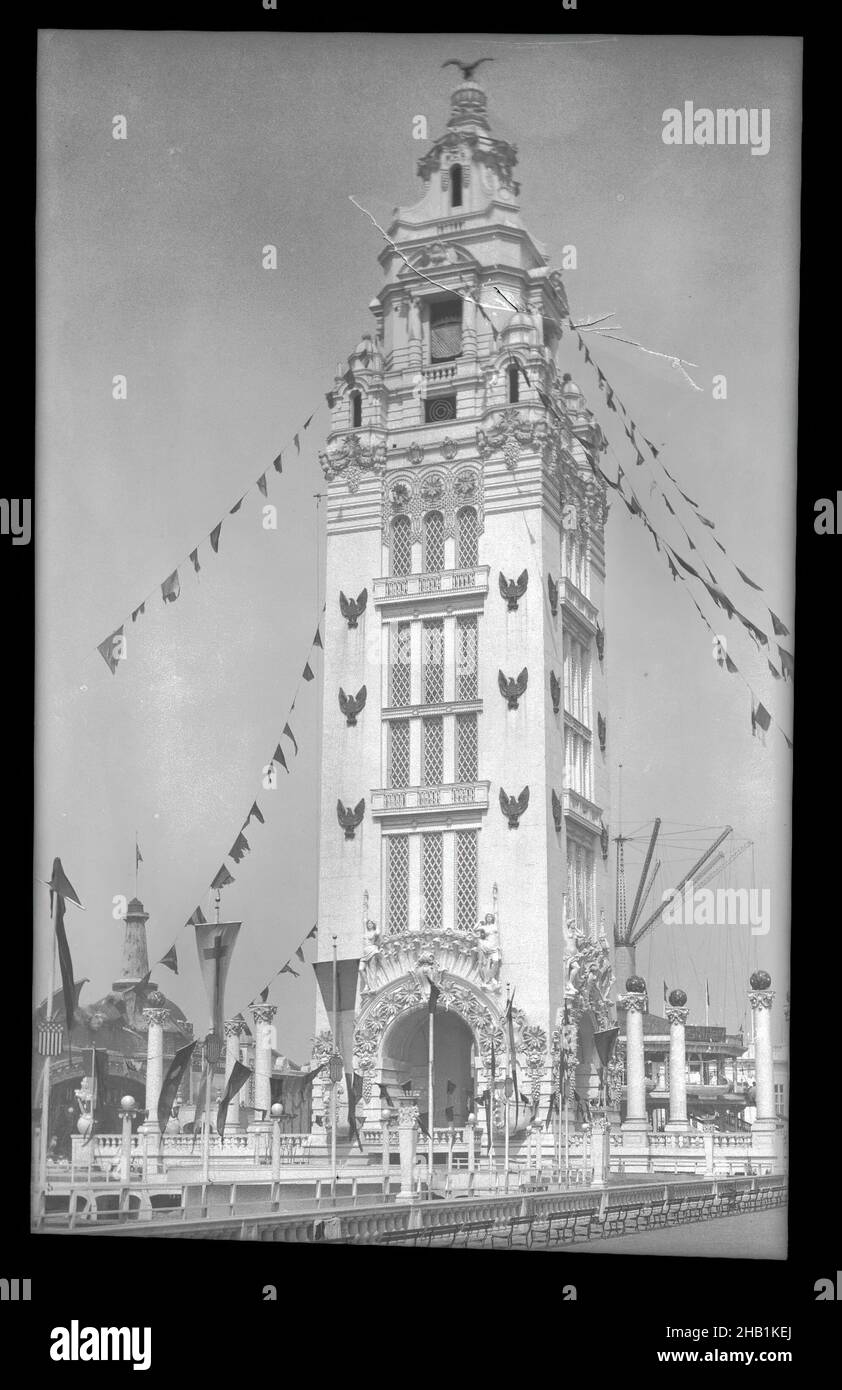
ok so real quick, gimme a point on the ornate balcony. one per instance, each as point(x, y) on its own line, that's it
point(582, 811)
point(451, 801)
point(577, 606)
point(446, 590)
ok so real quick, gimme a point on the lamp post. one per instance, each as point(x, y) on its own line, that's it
point(276, 1111)
point(128, 1106)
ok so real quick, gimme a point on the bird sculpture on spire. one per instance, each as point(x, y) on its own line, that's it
point(467, 69)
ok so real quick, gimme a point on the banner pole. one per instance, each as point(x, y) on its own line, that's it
point(333, 1085)
point(430, 1096)
point(45, 1078)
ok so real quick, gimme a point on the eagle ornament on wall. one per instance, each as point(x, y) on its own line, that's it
point(556, 804)
point(513, 589)
point(512, 687)
point(350, 818)
point(353, 608)
point(351, 705)
point(555, 691)
point(513, 807)
point(552, 589)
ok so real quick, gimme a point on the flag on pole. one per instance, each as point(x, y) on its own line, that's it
point(138, 857)
point(62, 891)
point(434, 997)
point(344, 1007)
point(666, 993)
point(215, 943)
point(236, 1081)
point(294, 1094)
point(707, 993)
point(605, 1043)
point(512, 1054)
point(354, 1085)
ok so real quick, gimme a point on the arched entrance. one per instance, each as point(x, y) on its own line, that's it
point(405, 1057)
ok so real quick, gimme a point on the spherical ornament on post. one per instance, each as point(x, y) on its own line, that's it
point(636, 984)
point(677, 998)
point(276, 1111)
point(128, 1105)
point(761, 979)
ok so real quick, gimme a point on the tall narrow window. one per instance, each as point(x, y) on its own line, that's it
point(397, 882)
point(467, 908)
point(467, 538)
point(456, 185)
point(356, 410)
point(431, 881)
point(399, 753)
point(433, 661)
point(467, 759)
point(466, 657)
point(433, 542)
point(401, 657)
point(432, 751)
point(401, 546)
point(514, 386)
point(446, 330)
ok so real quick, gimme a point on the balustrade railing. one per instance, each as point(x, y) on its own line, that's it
point(408, 586)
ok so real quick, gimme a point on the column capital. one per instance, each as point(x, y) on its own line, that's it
point(159, 1016)
point(676, 1014)
point(264, 1013)
point(633, 1003)
point(234, 1027)
point(761, 998)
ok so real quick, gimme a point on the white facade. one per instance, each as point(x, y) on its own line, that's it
point(445, 471)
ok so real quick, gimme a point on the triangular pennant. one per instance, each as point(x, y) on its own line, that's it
point(317, 640)
point(777, 626)
point(744, 577)
point(194, 559)
point(237, 505)
point(297, 444)
point(256, 812)
point(196, 919)
point(170, 960)
point(654, 452)
point(307, 423)
point(300, 953)
point(312, 932)
point(787, 663)
point(704, 521)
point(214, 538)
point(775, 672)
point(278, 464)
point(290, 735)
point(222, 879)
point(141, 608)
point(288, 970)
point(240, 847)
point(730, 666)
point(171, 588)
point(331, 399)
point(264, 994)
point(110, 647)
point(278, 757)
point(307, 673)
point(261, 483)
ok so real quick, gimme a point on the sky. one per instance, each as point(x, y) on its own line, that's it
point(150, 266)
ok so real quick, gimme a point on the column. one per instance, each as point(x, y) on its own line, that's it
point(155, 1019)
point(416, 351)
point(469, 324)
point(760, 998)
point(233, 1032)
point(408, 1140)
point(677, 1013)
point(634, 1003)
point(601, 1150)
point(263, 1015)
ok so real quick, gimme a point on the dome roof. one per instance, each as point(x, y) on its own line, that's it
point(519, 329)
point(569, 389)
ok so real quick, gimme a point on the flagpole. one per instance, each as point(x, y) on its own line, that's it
point(566, 1133)
point(206, 1135)
point(506, 1094)
point(45, 1093)
point(430, 1093)
point(333, 1105)
point(93, 1116)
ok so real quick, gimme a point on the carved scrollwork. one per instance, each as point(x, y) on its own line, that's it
point(352, 460)
point(439, 489)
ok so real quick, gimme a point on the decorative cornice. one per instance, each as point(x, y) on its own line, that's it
point(761, 998)
point(352, 460)
point(676, 1015)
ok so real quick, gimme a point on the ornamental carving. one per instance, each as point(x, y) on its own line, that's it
point(449, 449)
point(761, 999)
point(590, 979)
point(415, 453)
point(437, 489)
point(352, 460)
point(510, 434)
point(676, 1015)
point(473, 955)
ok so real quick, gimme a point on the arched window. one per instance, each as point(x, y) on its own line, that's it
point(356, 410)
point(514, 386)
point(456, 185)
point(401, 546)
point(467, 538)
point(433, 542)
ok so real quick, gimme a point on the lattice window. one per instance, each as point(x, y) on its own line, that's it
point(446, 330)
point(401, 681)
point(397, 883)
point(466, 658)
point(467, 895)
point(401, 546)
point(433, 542)
point(399, 753)
point(433, 751)
point(467, 753)
point(433, 660)
point(432, 880)
point(467, 538)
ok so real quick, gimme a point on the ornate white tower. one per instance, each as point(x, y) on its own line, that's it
point(466, 521)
